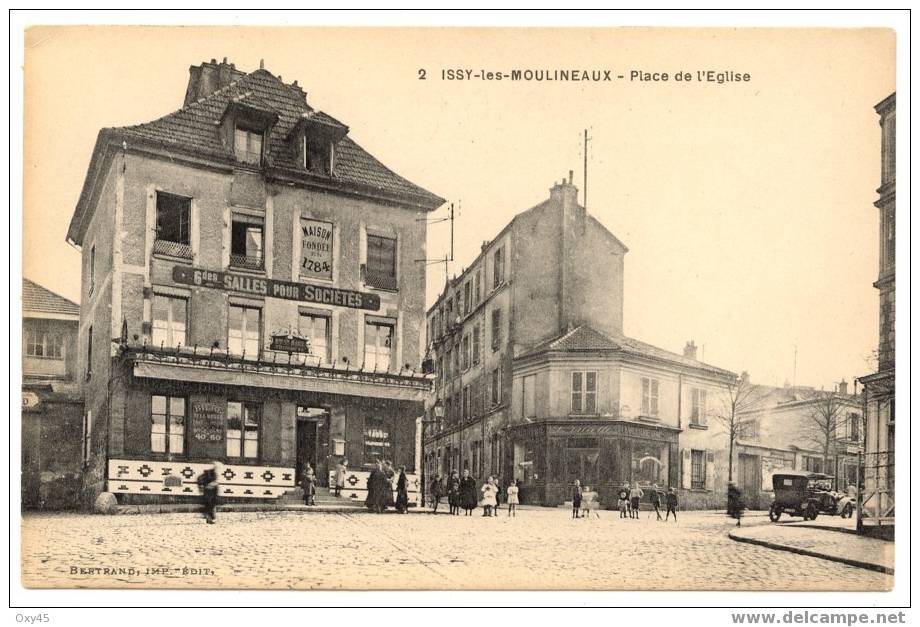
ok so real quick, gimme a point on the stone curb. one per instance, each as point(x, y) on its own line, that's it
point(794, 549)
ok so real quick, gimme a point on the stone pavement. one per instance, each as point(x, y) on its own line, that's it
point(834, 542)
point(539, 549)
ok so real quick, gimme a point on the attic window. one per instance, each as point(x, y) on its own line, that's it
point(247, 145)
point(317, 155)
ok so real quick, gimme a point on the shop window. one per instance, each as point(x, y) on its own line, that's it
point(529, 405)
point(247, 145)
point(378, 345)
point(698, 470)
point(496, 387)
point(167, 424)
point(649, 397)
point(244, 330)
point(498, 267)
point(584, 392)
point(698, 408)
point(380, 269)
point(243, 423)
point(173, 225)
point(650, 462)
point(581, 460)
point(377, 445)
point(476, 344)
point(496, 329)
point(169, 321)
point(40, 344)
point(317, 329)
point(246, 243)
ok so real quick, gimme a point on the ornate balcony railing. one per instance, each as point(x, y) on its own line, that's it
point(173, 249)
point(247, 262)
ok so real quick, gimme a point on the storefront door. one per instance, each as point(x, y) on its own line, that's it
point(312, 439)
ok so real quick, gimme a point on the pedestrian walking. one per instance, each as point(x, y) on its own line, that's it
point(488, 497)
point(735, 502)
point(671, 502)
point(390, 487)
point(468, 499)
point(208, 483)
point(309, 485)
point(377, 487)
point(635, 499)
point(576, 499)
point(623, 499)
point(453, 493)
point(436, 490)
point(656, 500)
point(341, 469)
point(402, 491)
point(512, 493)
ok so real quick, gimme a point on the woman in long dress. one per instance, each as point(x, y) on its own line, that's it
point(468, 500)
point(402, 492)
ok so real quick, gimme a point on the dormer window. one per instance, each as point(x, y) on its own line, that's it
point(313, 140)
point(247, 145)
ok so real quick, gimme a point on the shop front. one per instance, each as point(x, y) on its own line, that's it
point(263, 427)
point(548, 456)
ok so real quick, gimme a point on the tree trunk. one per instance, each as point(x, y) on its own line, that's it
point(731, 455)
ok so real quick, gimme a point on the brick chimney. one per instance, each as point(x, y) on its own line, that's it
point(205, 79)
point(565, 194)
point(842, 388)
point(690, 350)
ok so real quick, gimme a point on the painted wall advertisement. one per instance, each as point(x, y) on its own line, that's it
point(316, 249)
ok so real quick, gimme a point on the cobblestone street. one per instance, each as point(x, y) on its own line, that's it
point(540, 548)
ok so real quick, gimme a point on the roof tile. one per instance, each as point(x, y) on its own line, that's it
point(36, 298)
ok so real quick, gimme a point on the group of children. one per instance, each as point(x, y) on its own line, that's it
point(462, 494)
point(629, 500)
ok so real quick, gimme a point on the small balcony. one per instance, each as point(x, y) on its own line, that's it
point(247, 262)
point(172, 249)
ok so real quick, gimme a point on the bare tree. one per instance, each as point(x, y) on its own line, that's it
point(821, 424)
point(740, 396)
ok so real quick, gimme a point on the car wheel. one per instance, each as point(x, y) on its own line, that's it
point(847, 511)
point(775, 513)
point(811, 511)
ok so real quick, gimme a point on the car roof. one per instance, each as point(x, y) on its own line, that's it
point(802, 473)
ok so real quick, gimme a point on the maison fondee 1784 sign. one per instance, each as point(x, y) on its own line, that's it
point(257, 286)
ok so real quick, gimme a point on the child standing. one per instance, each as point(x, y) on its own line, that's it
point(656, 501)
point(635, 498)
point(671, 502)
point(488, 497)
point(623, 499)
point(511, 492)
point(589, 502)
point(576, 499)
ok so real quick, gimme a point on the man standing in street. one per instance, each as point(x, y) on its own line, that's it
point(207, 481)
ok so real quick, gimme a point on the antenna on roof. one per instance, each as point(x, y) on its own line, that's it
point(261, 64)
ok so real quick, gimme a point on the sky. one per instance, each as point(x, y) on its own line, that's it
point(746, 206)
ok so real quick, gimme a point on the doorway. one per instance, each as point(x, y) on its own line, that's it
point(749, 474)
point(312, 443)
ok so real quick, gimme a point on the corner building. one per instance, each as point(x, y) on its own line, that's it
point(537, 382)
point(250, 295)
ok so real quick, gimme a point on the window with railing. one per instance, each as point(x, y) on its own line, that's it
point(173, 225)
point(246, 243)
point(698, 470)
point(380, 269)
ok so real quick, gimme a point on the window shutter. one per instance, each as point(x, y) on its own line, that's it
point(685, 471)
point(710, 470)
point(703, 410)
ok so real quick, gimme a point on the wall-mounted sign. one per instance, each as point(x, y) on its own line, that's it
point(289, 344)
point(315, 249)
point(30, 400)
point(208, 421)
point(257, 286)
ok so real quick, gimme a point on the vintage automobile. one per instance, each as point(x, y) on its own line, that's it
point(807, 494)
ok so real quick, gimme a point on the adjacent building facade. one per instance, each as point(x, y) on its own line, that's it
point(879, 387)
point(52, 402)
point(535, 380)
point(251, 294)
point(797, 429)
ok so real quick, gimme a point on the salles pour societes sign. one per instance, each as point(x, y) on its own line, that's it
point(258, 286)
point(315, 249)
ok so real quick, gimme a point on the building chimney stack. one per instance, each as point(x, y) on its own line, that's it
point(690, 350)
point(842, 387)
